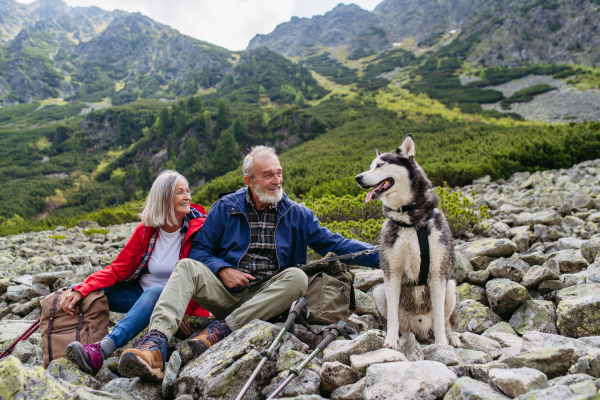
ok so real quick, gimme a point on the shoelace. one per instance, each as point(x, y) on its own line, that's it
point(151, 339)
point(95, 354)
point(217, 332)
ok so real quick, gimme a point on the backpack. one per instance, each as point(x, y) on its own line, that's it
point(88, 325)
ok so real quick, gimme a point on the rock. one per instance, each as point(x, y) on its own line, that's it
point(579, 391)
point(137, 388)
point(466, 388)
point(306, 383)
point(362, 323)
point(366, 280)
point(291, 358)
point(480, 372)
point(515, 382)
point(478, 277)
point(334, 375)
point(570, 379)
point(590, 249)
point(537, 274)
point(552, 265)
point(572, 222)
point(504, 334)
point(171, 374)
point(592, 275)
point(427, 380)
point(508, 352)
point(536, 258)
point(481, 263)
point(589, 365)
point(579, 317)
point(411, 348)
point(522, 239)
point(86, 223)
point(488, 247)
point(364, 303)
point(31, 383)
point(470, 341)
point(474, 356)
point(569, 243)
point(49, 278)
point(11, 331)
point(534, 315)
point(355, 391)
point(538, 341)
point(18, 292)
point(474, 317)
point(360, 362)
point(579, 278)
point(550, 286)
point(553, 362)
point(462, 267)
point(570, 262)
point(341, 350)
point(84, 393)
point(508, 268)
point(69, 372)
point(444, 353)
point(573, 293)
point(29, 353)
point(582, 200)
point(542, 217)
point(505, 296)
point(593, 341)
point(26, 308)
point(467, 291)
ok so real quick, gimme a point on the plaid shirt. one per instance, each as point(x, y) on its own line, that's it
point(184, 228)
point(261, 258)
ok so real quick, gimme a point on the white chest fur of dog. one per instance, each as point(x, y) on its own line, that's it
point(408, 307)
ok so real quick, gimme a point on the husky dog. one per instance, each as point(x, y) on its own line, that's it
point(409, 204)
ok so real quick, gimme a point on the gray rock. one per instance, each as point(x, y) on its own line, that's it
point(364, 303)
point(341, 350)
point(593, 341)
point(360, 362)
point(481, 372)
point(579, 278)
point(589, 365)
point(444, 353)
point(590, 249)
point(536, 258)
point(505, 296)
point(550, 286)
point(508, 268)
point(334, 375)
point(474, 356)
point(306, 383)
point(466, 388)
point(570, 262)
point(470, 341)
point(541, 217)
point(579, 317)
point(49, 278)
point(69, 372)
point(467, 291)
point(427, 380)
point(570, 379)
point(572, 222)
point(367, 279)
point(592, 275)
point(537, 274)
point(291, 358)
point(171, 374)
point(478, 277)
point(553, 362)
point(411, 348)
point(552, 265)
point(474, 317)
point(488, 247)
point(534, 315)
point(18, 292)
point(579, 391)
point(137, 388)
point(503, 335)
point(522, 239)
point(538, 341)
point(518, 381)
point(461, 268)
point(355, 391)
point(29, 353)
point(481, 263)
point(573, 293)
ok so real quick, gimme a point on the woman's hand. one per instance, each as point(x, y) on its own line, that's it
point(184, 326)
point(68, 300)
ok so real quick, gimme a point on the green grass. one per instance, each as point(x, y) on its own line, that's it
point(525, 95)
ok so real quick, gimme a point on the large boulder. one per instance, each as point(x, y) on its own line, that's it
point(444, 353)
point(467, 291)
point(579, 391)
point(553, 362)
point(341, 350)
point(538, 341)
point(137, 388)
point(355, 391)
point(517, 381)
point(505, 296)
point(579, 291)
point(471, 341)
point(579, 317)
point(480, 372)
point(474, 317)
point(427, 380)
point(31, 383)
point(570, 261)
point(537, 274)
point(488, 247)
point(504, 334)
point(307, 383)
point(534, 315)
point(508, 268)
point(365, 305)
point(334, 375)
point(365, 280)
point(462, 267)
point(466, 388)
point(360, 362)
point(69, 372)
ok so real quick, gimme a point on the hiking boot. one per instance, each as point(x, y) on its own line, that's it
point(214, 333)
point(147, 361)
point(88, 357)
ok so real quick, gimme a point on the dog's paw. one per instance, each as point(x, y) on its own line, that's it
point(392, 343)
point(454, 340)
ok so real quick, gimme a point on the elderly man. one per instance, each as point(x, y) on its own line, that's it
point(242, 264)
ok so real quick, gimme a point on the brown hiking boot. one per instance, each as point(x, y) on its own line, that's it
point(215, 332)
point(147, 360)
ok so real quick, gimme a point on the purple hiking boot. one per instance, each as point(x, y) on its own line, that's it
point(87, 356)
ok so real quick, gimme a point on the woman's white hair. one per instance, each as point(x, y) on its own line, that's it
point(158, 208)
point(250, 157)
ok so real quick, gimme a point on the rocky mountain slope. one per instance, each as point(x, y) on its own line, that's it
point(511, 33)
point(529, 294)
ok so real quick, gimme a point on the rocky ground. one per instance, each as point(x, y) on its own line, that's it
point(529, 315)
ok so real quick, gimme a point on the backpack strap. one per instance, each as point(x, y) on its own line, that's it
point(51, 322)
point(80, 324)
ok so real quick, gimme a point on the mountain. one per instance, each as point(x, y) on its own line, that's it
point(508, 32)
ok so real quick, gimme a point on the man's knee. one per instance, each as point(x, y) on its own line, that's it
point(192, 266)
point(298, 281)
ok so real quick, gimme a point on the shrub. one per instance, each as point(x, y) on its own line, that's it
point(460, 211)
point(59, 237)
point(92, 231)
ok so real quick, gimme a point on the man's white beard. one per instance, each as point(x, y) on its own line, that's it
point(265, 197)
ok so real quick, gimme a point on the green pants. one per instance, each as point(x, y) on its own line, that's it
point(193, 280)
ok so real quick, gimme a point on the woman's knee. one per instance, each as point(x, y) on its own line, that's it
point(153, 292)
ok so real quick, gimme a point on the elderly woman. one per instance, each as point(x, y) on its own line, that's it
point(134, 281)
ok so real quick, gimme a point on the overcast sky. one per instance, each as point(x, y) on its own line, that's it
point(227, 23)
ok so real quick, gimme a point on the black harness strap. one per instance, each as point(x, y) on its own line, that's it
point(423, 247)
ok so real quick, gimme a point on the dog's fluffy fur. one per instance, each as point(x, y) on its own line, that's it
point(398, 180)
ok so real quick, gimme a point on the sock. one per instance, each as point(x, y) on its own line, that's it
point(107, 347)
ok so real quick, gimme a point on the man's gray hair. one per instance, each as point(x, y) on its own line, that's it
point(159, 209)
point(250, 157)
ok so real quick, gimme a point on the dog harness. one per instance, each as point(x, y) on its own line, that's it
point(423, 247)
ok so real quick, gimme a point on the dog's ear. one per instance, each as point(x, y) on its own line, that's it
point(407, 148)
point(377, 152)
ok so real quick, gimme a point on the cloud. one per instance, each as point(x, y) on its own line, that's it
point(227, 23)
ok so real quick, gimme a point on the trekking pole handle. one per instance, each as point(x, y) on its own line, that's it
point(297, 308)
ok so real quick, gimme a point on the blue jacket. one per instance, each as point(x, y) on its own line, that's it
point(225, 236)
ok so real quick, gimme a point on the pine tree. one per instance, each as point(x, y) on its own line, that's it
point(203, 126)
point(145, 176)
point(240, 129)
point(222, 117)
point(190, 155)
point(225, 158)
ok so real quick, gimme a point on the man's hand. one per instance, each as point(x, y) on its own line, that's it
point(184, 326)
point(68, 300)
point(232, 278)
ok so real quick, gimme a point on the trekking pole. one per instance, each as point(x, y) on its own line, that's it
point(24, 336)
point(295, 310)
point(341, 328)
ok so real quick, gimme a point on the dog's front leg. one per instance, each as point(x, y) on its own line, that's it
point(392, 293)
point(437, 291)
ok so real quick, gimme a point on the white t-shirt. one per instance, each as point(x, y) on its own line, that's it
point(163, 259)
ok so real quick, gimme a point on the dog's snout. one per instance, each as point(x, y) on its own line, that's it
point(359, 178)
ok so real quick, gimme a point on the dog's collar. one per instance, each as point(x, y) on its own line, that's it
point(403, 225)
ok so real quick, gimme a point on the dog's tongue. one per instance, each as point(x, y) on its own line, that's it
point(372, 192)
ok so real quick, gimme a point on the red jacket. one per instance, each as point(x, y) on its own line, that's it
point(130, 257)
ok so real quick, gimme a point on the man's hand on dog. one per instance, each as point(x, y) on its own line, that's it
point(232, 278)
point(69, 300)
